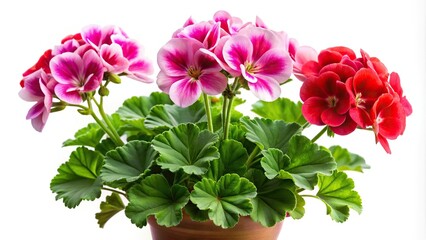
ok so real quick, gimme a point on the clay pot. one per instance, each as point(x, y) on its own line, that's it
point(246, 229)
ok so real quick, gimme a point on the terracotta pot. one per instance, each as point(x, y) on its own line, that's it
point(246, 229)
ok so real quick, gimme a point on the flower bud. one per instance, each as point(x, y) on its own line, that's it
point(114, 78)
point(83, 111)
point(103, 91)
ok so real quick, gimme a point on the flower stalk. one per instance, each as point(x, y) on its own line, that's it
point(228, 101)
point(208, 109)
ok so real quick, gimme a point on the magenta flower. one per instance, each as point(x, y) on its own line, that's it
point(38, 88)
point(76, 75)
point(119, 53)
point(260, 56)
point(205, 32)
point(139, 68)
point(186, 72)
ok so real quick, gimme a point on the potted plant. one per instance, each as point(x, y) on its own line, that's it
point(186, 160)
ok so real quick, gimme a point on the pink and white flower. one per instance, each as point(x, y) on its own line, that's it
point(76, 75)
point(186, 72)
point(261, 57)
point(38, 88)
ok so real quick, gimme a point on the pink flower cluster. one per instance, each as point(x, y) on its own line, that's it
point(346, 92)
point(78, 65)
point(194, 60)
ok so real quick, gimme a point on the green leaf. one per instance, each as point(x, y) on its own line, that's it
point(267, 133)
point(139, 107)
point(274, 163)
point(195, 213)
point(233, 157)
point(129, 162)
point(154, 196)
point(347, 161)
point(280, 109)
point(336, 191)
point(299, 211)
point(135, 109)
point(226, 199)
point(78, 179)
point(186, 147)
point(89, 136)
point(303, 161)
point(274, 198)
point(111, 206)
point(168, 116)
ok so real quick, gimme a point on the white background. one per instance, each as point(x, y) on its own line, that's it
point(393, 190)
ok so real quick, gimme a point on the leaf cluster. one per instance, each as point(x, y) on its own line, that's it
point(171, 165)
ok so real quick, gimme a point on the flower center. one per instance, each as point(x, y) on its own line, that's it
point(359, 101)
point(332, 101)
point(194, 72)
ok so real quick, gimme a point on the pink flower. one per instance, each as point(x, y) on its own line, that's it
point(186, 72)
point(205, 32)
point(76, 75)
point(37, 88)
point(228, 23)
point(119, 53)
point(300, 56)
point(261, 57)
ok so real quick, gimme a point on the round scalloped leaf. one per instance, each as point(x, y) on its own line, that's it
point(273, 200)
point(267, 133)
point(128, 162)
point(226, 199)
point(78, 179)
point(186, 147)
point(154, 196)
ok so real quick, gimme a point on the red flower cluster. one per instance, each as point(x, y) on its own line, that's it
point(345, 92)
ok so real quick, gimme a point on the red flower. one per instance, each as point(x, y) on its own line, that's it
point(326, 102)
point(42, 63)
point(328, 58)
point(396, 87)
point(388, 119)
point(364, 88)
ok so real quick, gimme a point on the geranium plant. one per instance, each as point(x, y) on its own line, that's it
point(188, 149)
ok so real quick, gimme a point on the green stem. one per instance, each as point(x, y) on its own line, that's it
point(308, 195)
point(208, 112)
point(319, 134)
point(224, 107)
point(105, 117)
point(109, 129)
point(115, 191)
point(228, 109)
point(250, 160)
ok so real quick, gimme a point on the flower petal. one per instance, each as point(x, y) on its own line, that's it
point(345, 128)
point(265, 88)
point(312, 109)
point(113, 59)
point(185, 92)
point(67, 68)
point(275, 63)
point(236, 51)
point(173, 58)
point(140, 70)
point(63, 93)
point(331, 118)
point(92, 34)
point(213, 83)
point(93, 71)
